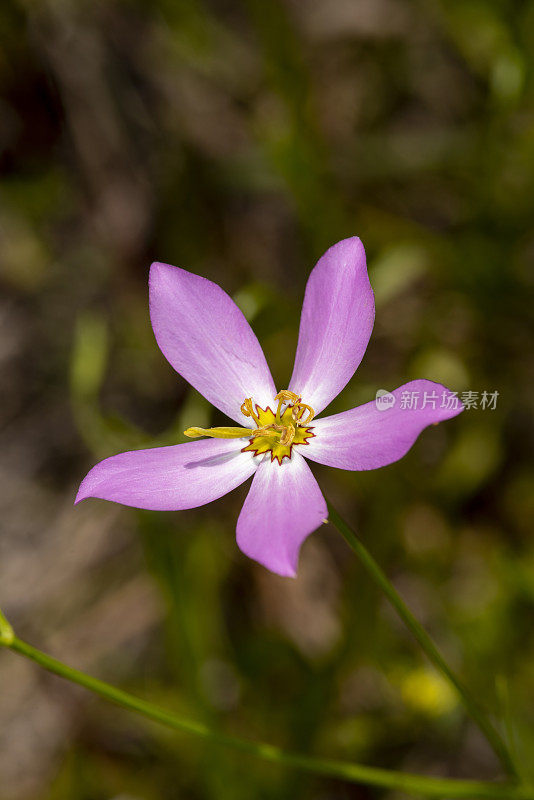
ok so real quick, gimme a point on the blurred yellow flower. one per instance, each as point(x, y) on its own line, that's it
point(425, 691)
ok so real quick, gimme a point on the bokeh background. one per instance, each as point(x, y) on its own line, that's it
point(240, 140)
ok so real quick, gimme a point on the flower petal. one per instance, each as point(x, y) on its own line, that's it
point(283, 506)
point(170, 478)
point(206, 338)
point(335, 325)
point(368, 438)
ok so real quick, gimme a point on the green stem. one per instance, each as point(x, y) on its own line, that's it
point(356, 773)
point(6, 631)
point(473, 708)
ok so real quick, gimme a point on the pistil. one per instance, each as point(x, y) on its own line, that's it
point(220, 433)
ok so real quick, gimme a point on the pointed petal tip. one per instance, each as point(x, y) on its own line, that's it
point(154, 267)
point(283, 568)
point(286, 566)
point(350, 254)
point(158, 266)
point(85, 490)
point(82, 494)
point(288, 573)
point(157, 272)
point(352, 244)
point(447, 413)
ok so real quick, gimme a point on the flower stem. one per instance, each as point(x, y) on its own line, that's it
point(356, 773)
point(476, 712)
point(6, 631)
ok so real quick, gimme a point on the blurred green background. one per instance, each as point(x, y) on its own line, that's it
point(239, 140)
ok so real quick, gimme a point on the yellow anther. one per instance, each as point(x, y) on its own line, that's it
point(285, 395)
point(302, 408)
point(247, 409)
point(288, 434)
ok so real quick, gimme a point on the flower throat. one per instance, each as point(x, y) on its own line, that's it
point(275, 432)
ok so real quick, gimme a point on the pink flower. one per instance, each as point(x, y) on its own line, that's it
point(206, 338)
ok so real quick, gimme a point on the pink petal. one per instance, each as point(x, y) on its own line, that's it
point(335, 326)
point(367, 438)
point(170, 478)
point(283, 506)
point(206, 338)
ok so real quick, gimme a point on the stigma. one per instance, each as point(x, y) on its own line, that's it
point(275, 432)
